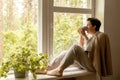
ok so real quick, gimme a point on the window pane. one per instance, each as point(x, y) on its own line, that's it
point(19, 24)
point(65, 30)
point(73, 3)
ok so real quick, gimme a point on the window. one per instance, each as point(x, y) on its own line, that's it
point(58, 21)
point(73, 3)
point(62, 19)
point(18, 24)
point(65, 30)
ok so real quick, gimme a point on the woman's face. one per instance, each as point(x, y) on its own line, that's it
point(90, 28)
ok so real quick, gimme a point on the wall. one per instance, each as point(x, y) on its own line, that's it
point(112, 23)
point(99, 12)
point(109, 13)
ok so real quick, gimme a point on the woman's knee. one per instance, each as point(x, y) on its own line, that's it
point(76, 46)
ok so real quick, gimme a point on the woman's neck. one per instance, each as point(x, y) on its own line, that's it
point(93, 32)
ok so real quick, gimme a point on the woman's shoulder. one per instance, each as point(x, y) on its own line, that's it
point(102, 35)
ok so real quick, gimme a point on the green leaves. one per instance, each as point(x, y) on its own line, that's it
point(65, 30)
point(23, 59)
point(38, 61)
point(20, 52)
point(4, 69)
point(27, 36)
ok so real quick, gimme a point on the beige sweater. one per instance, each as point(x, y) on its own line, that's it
point(101, 54)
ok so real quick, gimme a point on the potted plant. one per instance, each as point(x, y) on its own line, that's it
point(22, 59)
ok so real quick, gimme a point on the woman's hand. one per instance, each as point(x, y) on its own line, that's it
point(81, 31)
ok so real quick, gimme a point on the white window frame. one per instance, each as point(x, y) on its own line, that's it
point(46, 22)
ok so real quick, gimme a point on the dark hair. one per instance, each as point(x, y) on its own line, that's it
point(95, 22)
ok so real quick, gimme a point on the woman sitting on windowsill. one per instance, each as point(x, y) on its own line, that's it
point(93, 54)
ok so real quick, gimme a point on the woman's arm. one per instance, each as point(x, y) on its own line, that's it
point(83, 37)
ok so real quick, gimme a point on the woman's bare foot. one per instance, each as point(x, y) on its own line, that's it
point(55, 72)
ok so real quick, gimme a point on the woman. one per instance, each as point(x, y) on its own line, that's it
point(87, 53)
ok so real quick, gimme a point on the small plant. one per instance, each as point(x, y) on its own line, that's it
point(22, 59)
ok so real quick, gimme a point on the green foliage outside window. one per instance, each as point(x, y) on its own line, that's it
point(65, 30)
point(24, 30)
point(24, 37)
point(19, 24)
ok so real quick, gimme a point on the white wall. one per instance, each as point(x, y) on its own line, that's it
point(99, 12)
point(109, 13)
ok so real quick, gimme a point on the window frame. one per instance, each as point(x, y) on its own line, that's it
point(46, 22)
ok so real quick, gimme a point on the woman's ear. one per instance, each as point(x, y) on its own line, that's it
point(94, 27)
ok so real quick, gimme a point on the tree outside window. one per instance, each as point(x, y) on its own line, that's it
point(18, 24)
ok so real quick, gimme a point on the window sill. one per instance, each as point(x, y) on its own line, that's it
point(68, 73)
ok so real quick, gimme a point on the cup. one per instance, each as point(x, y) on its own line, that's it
point(84, 28)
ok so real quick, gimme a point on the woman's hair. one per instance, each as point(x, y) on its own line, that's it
point(95, 22)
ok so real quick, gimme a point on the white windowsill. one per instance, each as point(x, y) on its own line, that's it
point(68, 73)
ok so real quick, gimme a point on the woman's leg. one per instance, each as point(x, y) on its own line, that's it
point(78, 54)
point(74, 53)
point(54, 63)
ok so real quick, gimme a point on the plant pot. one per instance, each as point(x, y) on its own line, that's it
point(20, 74)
